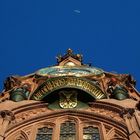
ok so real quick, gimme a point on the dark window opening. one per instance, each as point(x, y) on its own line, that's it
point(44, 133)
point(91, 133)
point(68, 131)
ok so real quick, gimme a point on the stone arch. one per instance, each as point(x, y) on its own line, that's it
point(21, 135)
point(54, 84)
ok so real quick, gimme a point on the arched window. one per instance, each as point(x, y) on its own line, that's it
point(68, 131)
point(44, 133)
point(91, 133)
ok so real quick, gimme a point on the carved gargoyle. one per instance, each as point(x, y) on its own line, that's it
point(11, 82)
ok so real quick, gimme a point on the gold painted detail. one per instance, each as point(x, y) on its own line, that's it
point(68, 99)
point(68, 82)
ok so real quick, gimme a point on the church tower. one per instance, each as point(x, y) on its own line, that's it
point(70, 101)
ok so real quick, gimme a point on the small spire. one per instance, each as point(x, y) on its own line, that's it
point(69, 53)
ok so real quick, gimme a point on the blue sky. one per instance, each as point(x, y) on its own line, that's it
point(33, 32)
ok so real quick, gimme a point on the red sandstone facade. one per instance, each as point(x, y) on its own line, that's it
point(70, 101)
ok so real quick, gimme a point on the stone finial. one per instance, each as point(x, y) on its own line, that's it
point(69, 51)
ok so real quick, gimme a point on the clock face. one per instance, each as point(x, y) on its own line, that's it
point(69, 71)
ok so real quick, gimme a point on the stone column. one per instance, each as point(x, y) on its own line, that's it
point(6, 117)
point(129, 116)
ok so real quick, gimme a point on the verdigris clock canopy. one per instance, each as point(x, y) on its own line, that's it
point(70, 71)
